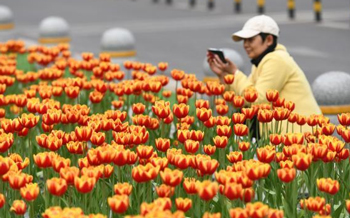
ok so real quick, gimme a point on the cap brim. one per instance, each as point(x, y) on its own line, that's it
point(244, 34)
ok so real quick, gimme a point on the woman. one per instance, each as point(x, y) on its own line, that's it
point(273, 67)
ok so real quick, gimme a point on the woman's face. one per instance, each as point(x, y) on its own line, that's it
point(255, 46)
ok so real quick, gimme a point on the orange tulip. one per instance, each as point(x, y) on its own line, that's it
point(161, 109)
point(83, 133)
point(280, 113)
point(145, 173)
point(144, 151)
point(122, 188)
point(302, 161)
point(266, 154)
point(181, 110)
point(250, 112)
point(2, 200)
point(119, 203)
point(328, 185)
point(256, 171)
point(84, 184)
point(165, 191)
point(275, 139)
point(56, 186)
point(191, 146)
point(250, 94)
point(138, 108)
point(265, 116)
point(207, 166)
point(19, 207)
point(240, 129)
point(344, 119)
point(229, 79)
point(244, 146)
point(220, 141)
point(235, 156)
point(72, 91)
point(18, 180)
point(238, 101)
point(273, 213)
point(286, 174)
point(171, 177)
point(203, 114)
point(211, 215)
point(177, 74)
point(257, 210)
point(238, 213)
point(183, 204)
point(209, 149)
point(228, 96)
point(190, 186)
point(202, 104)
point(315, 204)
point(232, 190)
point(69, 174)
point(238, 118)
point(207, 189)
point(30, 191)
point(348, 205)
point(272, 95)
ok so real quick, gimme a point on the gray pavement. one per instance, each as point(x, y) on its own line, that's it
point(180, 35)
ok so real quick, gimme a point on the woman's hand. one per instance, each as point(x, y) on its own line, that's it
point(220, 68)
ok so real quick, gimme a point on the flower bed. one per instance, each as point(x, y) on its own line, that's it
point(78, 138)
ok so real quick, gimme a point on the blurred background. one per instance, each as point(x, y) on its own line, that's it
point(180, 34)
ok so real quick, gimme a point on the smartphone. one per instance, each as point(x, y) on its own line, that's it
point(218, 52)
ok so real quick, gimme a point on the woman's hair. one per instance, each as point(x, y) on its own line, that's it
point(263, 37)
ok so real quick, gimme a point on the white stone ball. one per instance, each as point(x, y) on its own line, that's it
point(332, 88)
point(117, 39)
point(52, 27)
point(6, 15)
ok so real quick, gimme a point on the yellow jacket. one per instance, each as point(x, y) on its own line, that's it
point(278, 70)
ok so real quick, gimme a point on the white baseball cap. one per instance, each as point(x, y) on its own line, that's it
point(256, 25)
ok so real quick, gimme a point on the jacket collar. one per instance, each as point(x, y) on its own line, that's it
point(257, 60)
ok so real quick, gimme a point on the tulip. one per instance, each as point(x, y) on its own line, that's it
point(207, 189)
point(119, 203)
point(190, 186)
point(200, 103)
point(2, 200)
point(209, 149)
point(220, 141)
point(238, 118)
point(238, 101)
point(235, 156)
point(250, 94)
point(145, 173)
point(84, 184)
point(181, 110)
point(344, 119)
point(328, 185)
point(286, 174)
point(244, 146)
point(177, 74)
point(122, 188)
point(240, 129)
point(266, 154)
point(257, 210)
point(228, 96)
point(183, 204)
point(203, 114)
point(171, 177)
point(56, 186)
point(191, 146)
point(238, 213)
point(302, 161)
point(19, 207)
point(272, 95)
point(165, 191)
